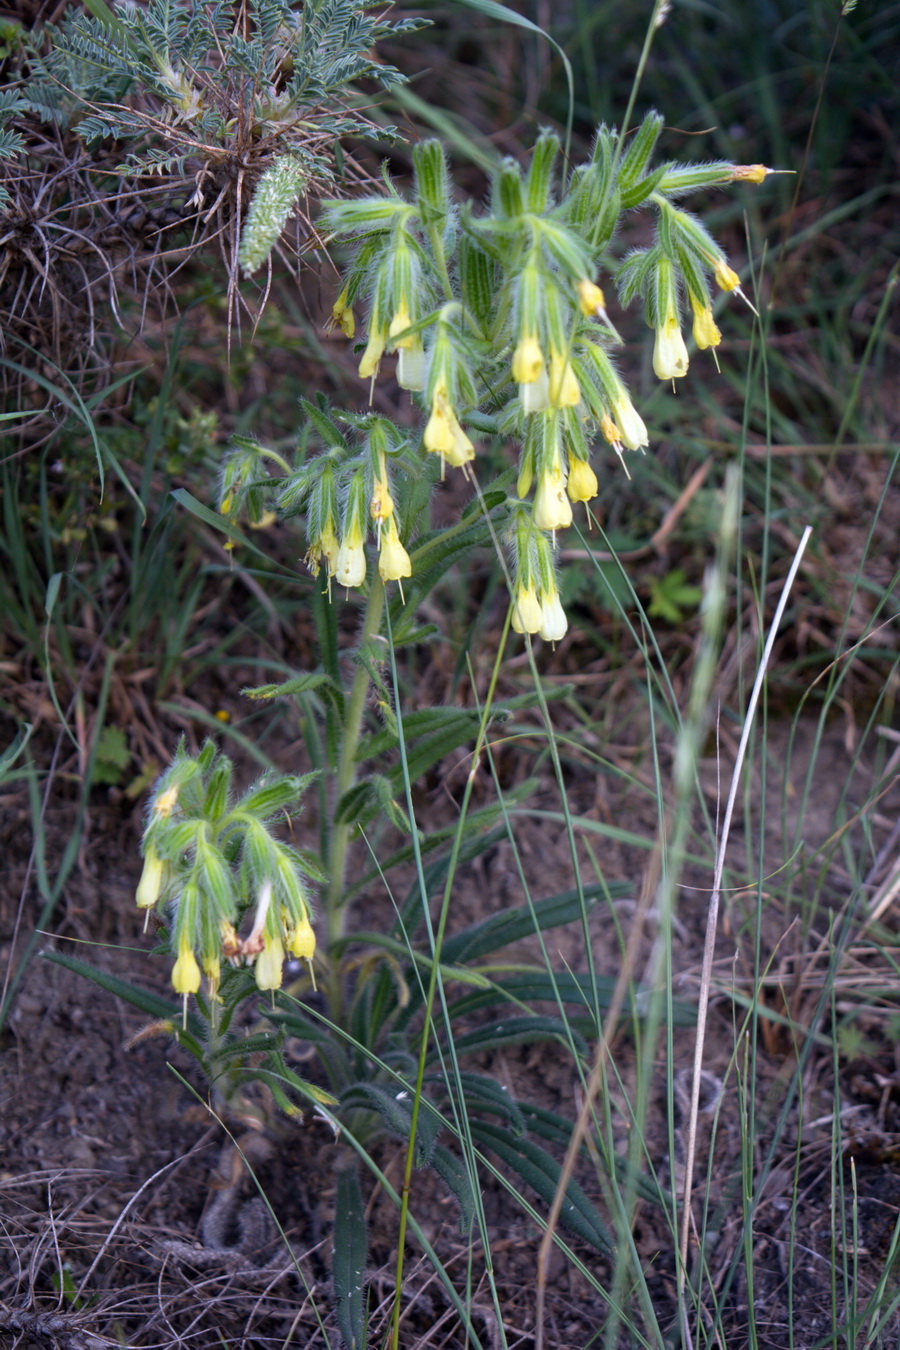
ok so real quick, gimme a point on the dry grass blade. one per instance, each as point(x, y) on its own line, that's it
point(712, 923)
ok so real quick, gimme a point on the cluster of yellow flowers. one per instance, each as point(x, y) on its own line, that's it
point(188, 865)
point(521, 292)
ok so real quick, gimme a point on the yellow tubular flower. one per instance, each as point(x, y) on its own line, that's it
point(439, 431)
point(350, 568)
point(611, 433)
point(302, 940)
point(670, 358)
point(564, 390)
point(591, 299)
point(269, 964)
point(528, 360)
point(342, 314)
point(399, 322)
point(582, 484)
point(150, 883)
point(393, 560)
point(552, 508)
point(371, 357)
point(462, 449)
point(443, 434)
point(411, 366)
point(411, 362)
point(535, 396)
point(749, 173)
point(382, 503)
point(328, 548)
point(706, 334)
point(553, 617)
point(185, 972)
point(633, 432)
point(727, 279)
point(526, 617)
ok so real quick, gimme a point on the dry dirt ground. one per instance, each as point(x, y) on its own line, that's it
point(119, 1222)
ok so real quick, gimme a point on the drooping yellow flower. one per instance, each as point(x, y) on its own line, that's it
point(371, 357)
point(564, 390)
point(591, 299)
point(393, 559)
point(326, 547)
point(528, 360)
point(536, 395)
point(706, 334)
point(301, 940)
point(526, 616)
point(443, 434)
point(553, 617)
point(382, 503)
point(552, 508)
point(582, 485)
point(185, 972)
point(633, 432)
point(610, 431)
point(727, 279)
point(411, 362)
point(150, 884)
point(350, 567)
point(670, 357)
point(270, 963)
point(342, 315)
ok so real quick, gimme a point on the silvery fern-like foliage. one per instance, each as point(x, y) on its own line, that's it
point(141, 133)
point(193, 72)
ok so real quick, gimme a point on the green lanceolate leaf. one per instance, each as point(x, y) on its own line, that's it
point(518, 1031)
point(151, 1004)
point(454, 1175)
point(539, 1170)
point(349, 1262)
point(482, 1093)
point(540, 986)
point(394, 1105)
point(513, 924)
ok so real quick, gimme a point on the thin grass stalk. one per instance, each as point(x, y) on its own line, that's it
point(713, 913)
point(435, 983)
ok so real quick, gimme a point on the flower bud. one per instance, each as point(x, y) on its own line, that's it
point(590, 298)
point(165, 802)
point(749, 173)
point(727, 279)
